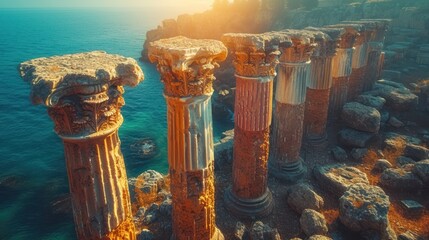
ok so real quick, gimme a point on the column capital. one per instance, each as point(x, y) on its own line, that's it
point(368, 29)
point(83, 92)
point(186, 65)
point(349, 35)
point(256, 55)
point(327, 40)
point(301, 50)
point(380, 28)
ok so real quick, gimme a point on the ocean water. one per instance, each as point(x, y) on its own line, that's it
point(31, 155)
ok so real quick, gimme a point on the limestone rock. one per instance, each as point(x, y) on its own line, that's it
point(421, 169)
point(302, 197)
point(339, 154)
point(381, 165)
point(416, 152)
point(146, 235)
point(358, 154)
point(354, 138)
point(371, 101)
point(401, 179)
point(149, 182)
point(240, 232)
point(319, 237)
point(401, 161)
point(397, 97)
point(261, 231)
point(51, 77)
point(313, 223)
point(394, 122)
point(361, 117)
point(364, 207)
point(336, 178)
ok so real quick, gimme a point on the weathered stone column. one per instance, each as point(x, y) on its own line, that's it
point(186, 67)
point(287, 132)
point(375, 46)
point(342, 68)
point(359, 60)
point(83, 93)
point(319, 85)
point(255, 60)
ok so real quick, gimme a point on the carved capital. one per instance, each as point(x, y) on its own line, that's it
point(327, 40)
point(256, 55)
point(186, 65)
point(83, 92)
point(350, 34)
point(301, 49)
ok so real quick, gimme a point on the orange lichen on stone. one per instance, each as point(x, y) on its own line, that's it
point(287, 132)
point(331, 215)
point(250, 163)
point(316, 112)
point(193, 204)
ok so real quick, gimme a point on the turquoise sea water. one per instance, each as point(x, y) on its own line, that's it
point(31, 155)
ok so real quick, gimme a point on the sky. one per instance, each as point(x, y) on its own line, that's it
point(191, 4)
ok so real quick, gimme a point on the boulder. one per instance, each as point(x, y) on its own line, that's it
point(358, 154)
point(371, 101)
point(302, 197)
point(401, 161)
point(166, 207)
point(401, 179)
point(261, 231)
point(146, 234)
point(416, 152)
point(364, 207)
point(151, 214)
point(394, 122)
point(360, 117)
point(381, 165)
point(313, 223)
point(421, 169)
point(397, 97)
point(149, 182)
point(336, 178)
point(240, 232)
point(339, 154)
point(354, 138)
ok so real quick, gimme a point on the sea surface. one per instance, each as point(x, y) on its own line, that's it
point(32, 167)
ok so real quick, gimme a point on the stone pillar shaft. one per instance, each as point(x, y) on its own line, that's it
point(83, 93)
point(186, 67)
point(359, 65)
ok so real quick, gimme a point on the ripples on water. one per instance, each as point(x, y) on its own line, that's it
point(30, 150)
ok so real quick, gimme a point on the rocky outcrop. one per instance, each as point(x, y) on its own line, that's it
point(360, 117)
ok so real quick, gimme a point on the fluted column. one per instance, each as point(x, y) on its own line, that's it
point(375, 46)
point(319, 85)
point(83, 93)
point(342, 69)
point(255, 60)
point(287, 132)
point(186, 67)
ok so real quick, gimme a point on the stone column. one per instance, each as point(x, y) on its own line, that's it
point(83, 93)
point(341, 69)
point(293, 75)
point(319, 85)
point(255, 60)
point(375, 46)
point(359, 60)
point(186, 67)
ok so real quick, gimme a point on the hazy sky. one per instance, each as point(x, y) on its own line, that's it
point(191, 4)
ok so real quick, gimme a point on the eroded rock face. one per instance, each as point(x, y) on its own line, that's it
point(361, 117)
point(336, 178)
point(364, 207)
point(313, 223)
point(302, 197)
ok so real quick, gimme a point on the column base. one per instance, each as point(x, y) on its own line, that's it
point(317, 141)
point(289, 173)
point(216, 236)
point(249, 208)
